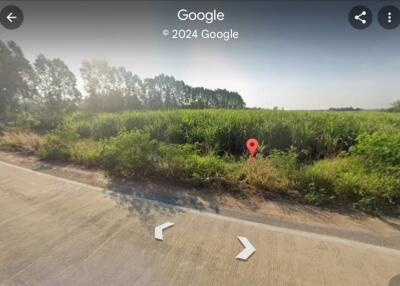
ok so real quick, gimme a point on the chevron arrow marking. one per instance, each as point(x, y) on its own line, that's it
point(158, 230)
point(248, 249)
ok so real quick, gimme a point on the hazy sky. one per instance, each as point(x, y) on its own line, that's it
point(296, 55)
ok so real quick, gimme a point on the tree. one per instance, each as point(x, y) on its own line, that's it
point(131, 87)
point(350, 108)
point(56, 86)
point(110, 88)
point(116, 89)
point(17, 81)
point(395, 106)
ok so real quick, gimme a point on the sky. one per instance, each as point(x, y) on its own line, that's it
point(291, 54)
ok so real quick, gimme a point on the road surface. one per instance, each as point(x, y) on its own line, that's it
point(59, 232)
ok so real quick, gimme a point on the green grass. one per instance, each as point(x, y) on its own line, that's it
point(319, 157)
point(317, 134)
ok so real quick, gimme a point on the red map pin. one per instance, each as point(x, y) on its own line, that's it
point(252, 145)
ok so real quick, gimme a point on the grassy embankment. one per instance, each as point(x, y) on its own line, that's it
point(317, 157)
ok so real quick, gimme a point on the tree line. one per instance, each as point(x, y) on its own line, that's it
point(115, 89)
point(42, 92)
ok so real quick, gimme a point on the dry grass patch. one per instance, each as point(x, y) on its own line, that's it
point(21, 140)
point(262, 174)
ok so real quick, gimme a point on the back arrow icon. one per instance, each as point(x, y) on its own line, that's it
point(248, 249)
point(10, 17)
point(158, 231)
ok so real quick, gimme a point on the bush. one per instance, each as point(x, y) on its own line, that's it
point(184, 163)
point(379, 151)
point(86, 153)
point(58, 144)
point(106, 126)
point(286, 162)
point(172, 159)
point(26, 121)
point(202, 168)
point(48, 121)
point(348, 180)
point(129, 154)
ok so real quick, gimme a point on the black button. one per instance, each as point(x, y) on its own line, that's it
point(360, 17)
point(389, 17)
point(11, 17)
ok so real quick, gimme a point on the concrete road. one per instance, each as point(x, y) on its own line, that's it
point(58, 232)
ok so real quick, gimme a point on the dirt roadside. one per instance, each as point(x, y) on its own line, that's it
point(250, 206)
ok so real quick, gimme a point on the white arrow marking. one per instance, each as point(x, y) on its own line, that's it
point(158, 231)
point(248, 249)
point(10, 17)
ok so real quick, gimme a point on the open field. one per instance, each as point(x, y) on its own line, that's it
point(321, 158)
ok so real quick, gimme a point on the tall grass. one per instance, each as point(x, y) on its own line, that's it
point(320, 157)
point(315, 135)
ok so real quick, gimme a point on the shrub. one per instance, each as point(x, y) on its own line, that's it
point(58, 144)
point(184, 163)
point(202, 168)
point(26, 121)
point(379, 151)
point(106, 126)
point(172, 159)
point(286, 162)
point(348, 180)
point(86, 152)
point(129, 154)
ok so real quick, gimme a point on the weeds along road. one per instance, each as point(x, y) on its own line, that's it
point(58, 232)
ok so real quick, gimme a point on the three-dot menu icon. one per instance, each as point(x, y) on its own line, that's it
point(389, 17)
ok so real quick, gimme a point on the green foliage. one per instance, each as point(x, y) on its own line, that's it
point(316, 195)
point(181, 162)
point(379, 150)
point(314, 135)
point(26, 121)
point(57, 145)
point(112, 89)
point(351, 180)
point(395, 107)
point(86, 152)
point(286, 162)
point(34, 96)
point(172, 159)
point(17, 81)
point(129, 154)
point(105, 126)
point(202, 168)
point(323, 157)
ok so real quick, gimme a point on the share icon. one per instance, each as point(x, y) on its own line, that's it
point(360, 17)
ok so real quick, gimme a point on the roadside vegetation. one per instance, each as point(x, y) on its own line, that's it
point(162, 128)
point(321, 158)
